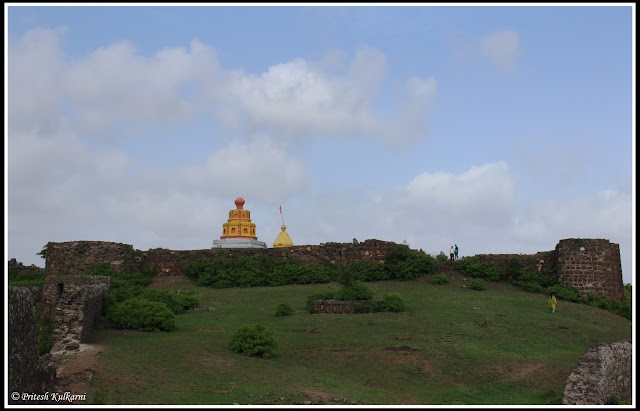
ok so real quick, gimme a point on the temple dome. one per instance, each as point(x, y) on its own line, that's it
point(283, 239)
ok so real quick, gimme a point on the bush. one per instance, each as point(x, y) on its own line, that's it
point(141, 314)
point(393, 302)
point(477, 284)
point(471, 267)
point(442, 256)
point(284, 309)
point(357, 291)
point(45, 334)
point(563, 293)
point(253, 340)
point(175, 302)
point(440, 279)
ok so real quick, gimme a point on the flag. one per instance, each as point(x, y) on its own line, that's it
point(280, 209)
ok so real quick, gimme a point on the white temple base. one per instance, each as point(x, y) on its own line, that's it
point(238, 243)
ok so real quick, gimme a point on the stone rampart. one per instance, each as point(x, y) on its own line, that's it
point(28, 373)
point(75, 256)
point(603, 370)
point(590, 265)
point(343, 307)
point(75, 303)
point(581, 264)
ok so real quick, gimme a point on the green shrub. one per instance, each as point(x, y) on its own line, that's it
point(141, 314)
point(471, 267)
point(253, 340)
point(442, 256)
point(477, 284)
point(440, 279)
point(393, 302)
point(357, 291)
point(563, 293)
point(328, 295)
point(175, 302)
point(284, 309)
point(45, 334)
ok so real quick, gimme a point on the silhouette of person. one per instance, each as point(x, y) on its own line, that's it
point(451, 254)
point(455, 251)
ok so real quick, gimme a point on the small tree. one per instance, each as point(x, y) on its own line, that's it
point(43, 252)
point(284, 309)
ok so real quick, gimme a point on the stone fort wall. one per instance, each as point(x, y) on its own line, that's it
point(75, 303)
point(603, 370)
point(582, 264)
point(590, 265)
point(28, 373)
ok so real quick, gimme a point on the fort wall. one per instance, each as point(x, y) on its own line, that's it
point(582, 264)
point(28, 373)
point(590, 265)
point(75, 303)
point(603, 370)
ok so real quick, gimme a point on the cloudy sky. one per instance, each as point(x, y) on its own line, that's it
point(501, 129)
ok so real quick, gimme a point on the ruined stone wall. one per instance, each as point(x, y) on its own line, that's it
point(603, 370)
point(75, 302)
point(590, 265)
point(544, 260)
point(343, 307)
point(75, 256)
point(28, 373)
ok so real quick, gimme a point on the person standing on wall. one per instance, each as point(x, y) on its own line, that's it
point(451, 255)
point(455, 251)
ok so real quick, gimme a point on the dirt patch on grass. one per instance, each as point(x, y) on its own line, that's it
point(308, 330)
point(406, 358)
point(408, 339)
point(538, 373)
point(211, 329)
point(373, 384)
point(215, 361)
point(217, 391)
point(402, 348)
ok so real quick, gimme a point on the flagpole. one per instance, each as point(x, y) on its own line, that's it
point(281, 215)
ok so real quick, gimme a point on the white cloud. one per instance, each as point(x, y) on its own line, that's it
point(502, 49)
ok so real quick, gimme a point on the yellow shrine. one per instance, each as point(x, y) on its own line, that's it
point(283, 239)
point(239, 231)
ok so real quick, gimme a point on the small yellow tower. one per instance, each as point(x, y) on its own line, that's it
point(283, 239)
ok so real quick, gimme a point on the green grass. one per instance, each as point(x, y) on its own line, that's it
point(510, 349)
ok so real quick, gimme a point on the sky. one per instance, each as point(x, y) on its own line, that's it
point(502, 129)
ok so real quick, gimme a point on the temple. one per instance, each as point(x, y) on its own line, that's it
point(283, 239)
point(239, 231)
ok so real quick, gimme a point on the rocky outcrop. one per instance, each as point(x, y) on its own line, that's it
point(603, 370)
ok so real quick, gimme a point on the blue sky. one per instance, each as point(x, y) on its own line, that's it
point(501, 129)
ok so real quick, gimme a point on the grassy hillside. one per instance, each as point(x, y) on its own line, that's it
point(451, 346)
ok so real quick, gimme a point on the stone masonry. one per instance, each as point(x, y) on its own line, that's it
point(75, 302)
point(590, 265)
point(74, 256)
point(581, 264)
point(603, 370)
point(343, 307)
point(28, 373)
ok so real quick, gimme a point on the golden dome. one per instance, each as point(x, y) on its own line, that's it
point(283, 239)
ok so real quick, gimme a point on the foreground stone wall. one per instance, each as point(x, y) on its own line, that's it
point(590, 265)
point(75, 256)
point(75, 302)
point(603, 370)
point(343, 307)
point(28, 373)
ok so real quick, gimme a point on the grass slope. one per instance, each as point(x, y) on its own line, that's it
point(451, 346)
